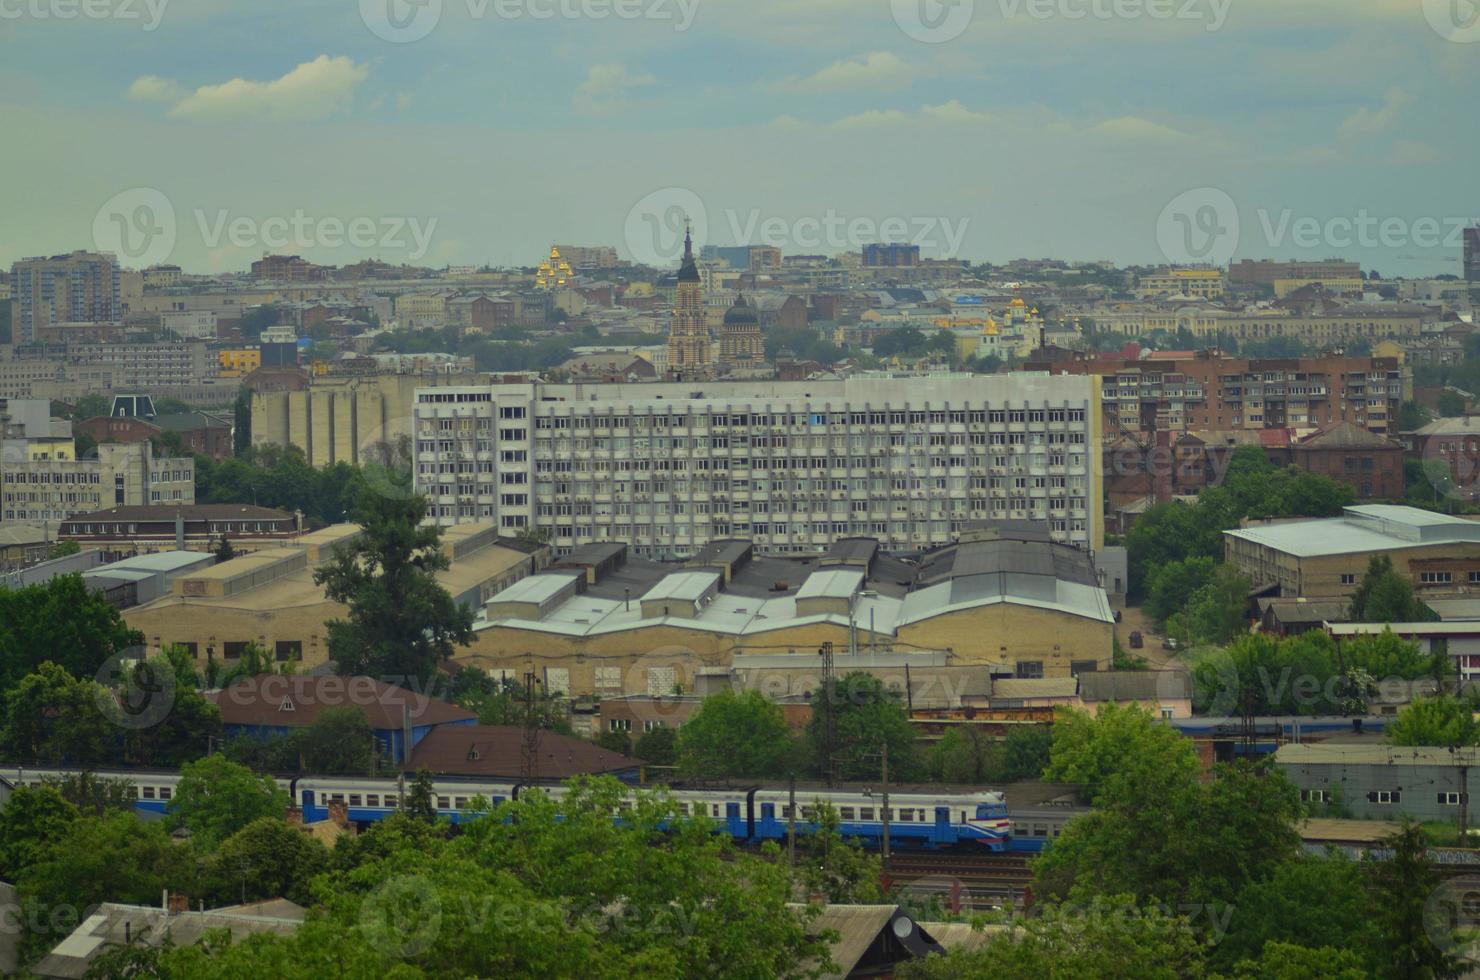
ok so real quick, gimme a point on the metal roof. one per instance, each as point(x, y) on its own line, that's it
point(1307, 754)
point(835, 583)
point(682, 586)
point(1379, 527)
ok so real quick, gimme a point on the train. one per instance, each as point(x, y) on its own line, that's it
point(920, 817)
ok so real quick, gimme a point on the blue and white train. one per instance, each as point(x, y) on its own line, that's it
point(918, 818)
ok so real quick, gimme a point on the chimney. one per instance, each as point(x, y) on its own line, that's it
point(295, 816)
point(179, 904)
point(179, 531)
point(339, 813)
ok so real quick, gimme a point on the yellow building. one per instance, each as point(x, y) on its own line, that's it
point(1339, 287)
point(269, 597)
point(1003, 599)
point(239, 362)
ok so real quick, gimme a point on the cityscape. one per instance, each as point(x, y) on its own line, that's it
point(496, 489)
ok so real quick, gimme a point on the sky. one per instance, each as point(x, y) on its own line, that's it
point(470, 132)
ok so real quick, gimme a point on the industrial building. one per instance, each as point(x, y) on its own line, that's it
point(269, 597)
point(1383, 782)
point(1005, 600)
point(1328, 556)
point(792, 466)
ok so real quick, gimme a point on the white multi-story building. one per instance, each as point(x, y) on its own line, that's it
point(790, 465)
point(42, 480)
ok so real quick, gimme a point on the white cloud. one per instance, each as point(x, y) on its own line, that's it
point(605, 88)
point(312, 91)
point(1407, 152)
point(1136, 129)
point(875, 70)
point(1369, 122)
point(953, 112)
point(152, 88)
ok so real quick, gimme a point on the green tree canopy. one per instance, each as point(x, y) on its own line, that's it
point(1119, 749)
point(216, 797)
point(734, 734)
point(402, 623)
point(1438, 721)
point(1385, 596)
point(61, 621)
point(866, 715)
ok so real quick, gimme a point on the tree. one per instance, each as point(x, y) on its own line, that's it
point(1451, 404)
point(34, 819)
point(64, 549)
point(1218, 611)
point(420, 803)
point(1025, 753)
point(1439, 721)
point(1171, 587)
point(1107, 937)
point(1120, 748)
point(614, 741)
point(964, 754)
point(736, 735)
point(217, 797)
point(223, 551)
point(658, 747)
point(1284, 961)
point(95, 795)
point(1311, 901)
point(340, 740)
point(64, 622)
point(1384, 596)
point(1412, 416)
point(402, 623)
point(241, 432)
point(1182, 842)
point(838, 869)
point(267, 858)
point(1402, 888)
point(865, 715)
point(51, 717)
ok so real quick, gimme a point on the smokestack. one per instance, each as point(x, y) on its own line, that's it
point(179, 531)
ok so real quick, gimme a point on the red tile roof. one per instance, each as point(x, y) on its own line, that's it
point(273, 700)
point(498, 750)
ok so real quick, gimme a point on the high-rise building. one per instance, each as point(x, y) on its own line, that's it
point(1472, 261)
point(690, 348)
point(43, 480)
point(891, 255)
point(80, 288)
point(792, 466)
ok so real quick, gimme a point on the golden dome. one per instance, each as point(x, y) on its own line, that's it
point(1017, 302)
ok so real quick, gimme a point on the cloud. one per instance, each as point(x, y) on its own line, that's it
point(152, 88)
point(312, 91)
point(1136, 129)
point(875, 70)
point(1407, 152)
point(947, 112)
point(605, 88)
point(1370, 122)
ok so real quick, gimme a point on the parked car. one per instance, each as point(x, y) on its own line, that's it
point(1136, 641)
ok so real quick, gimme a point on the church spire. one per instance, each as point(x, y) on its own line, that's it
point(688, 271)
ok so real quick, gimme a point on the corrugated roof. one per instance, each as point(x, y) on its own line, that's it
point(498, 750)
point(1325, 753)
point(274, 700)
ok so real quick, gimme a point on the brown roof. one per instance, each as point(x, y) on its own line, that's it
point(498, 750)
point(1346, 434)
point(274, 700)
point(191, 512)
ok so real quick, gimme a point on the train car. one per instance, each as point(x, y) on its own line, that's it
point(919, 817)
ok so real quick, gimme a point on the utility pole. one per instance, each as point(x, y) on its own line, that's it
point(884, 764)
point(830, 706)
point(1464, 802)
point(530, 763)
point(791, 823)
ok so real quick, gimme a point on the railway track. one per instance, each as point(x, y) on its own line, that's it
point(960, 881)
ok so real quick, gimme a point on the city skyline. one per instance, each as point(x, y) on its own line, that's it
point(498, 132)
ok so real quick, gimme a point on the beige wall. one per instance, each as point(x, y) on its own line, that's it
point(1321, 576)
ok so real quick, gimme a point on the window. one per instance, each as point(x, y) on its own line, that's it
point(233, 649)
point(148, 792)
point(1348, 580)
point(356, 800)
point(1078, 667)
point(443, 803)
point(1029, 668)
point(619, 725)
point(1385, 796)
point(1453, 799)
point(1434, 578)
point(289, 650)
point(865, 813)
point(1315, 796)
point(372, 799)
point(845, 813)
point(164, 792)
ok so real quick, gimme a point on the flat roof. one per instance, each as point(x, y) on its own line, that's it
point(683, 586)
point(1451, 628)
point(1306, 754)
point(832, 583)
point(1379, 527)
point(536, 588)
point(160, 561)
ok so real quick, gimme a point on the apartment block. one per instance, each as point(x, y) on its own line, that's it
point(791, 466)
point(1211, 391)
point(55, 485)
point(78, 288)
point(1199, 283)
